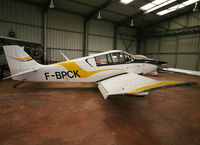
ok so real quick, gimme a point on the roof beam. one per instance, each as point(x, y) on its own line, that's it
point(120, 23)
point(189, 30)
point(106, 4)
point(46, 5)
point(30, 2)
point(164, 20)
point(170, 18)
point(91, 6)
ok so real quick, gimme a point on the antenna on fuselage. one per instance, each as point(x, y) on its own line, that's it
point(66, 58)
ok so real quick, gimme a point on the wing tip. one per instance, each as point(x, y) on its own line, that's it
point(161, 85)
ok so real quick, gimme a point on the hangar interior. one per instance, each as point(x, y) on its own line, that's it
point(72, 26)
point(53, 113)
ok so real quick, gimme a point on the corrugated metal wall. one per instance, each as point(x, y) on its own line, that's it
point(23, 19)
point(65, 31)
point(187, 20)
point(101, 36)
point(180, 51)
point(188, 51)
point(126, 40)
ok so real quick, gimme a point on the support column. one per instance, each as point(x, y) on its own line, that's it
point(45, 36)
point(85, 51)
point(198, 56)
point(177, 46)
point(115, 38)
point(159, 47)
point(145, 46)
point(138, 45)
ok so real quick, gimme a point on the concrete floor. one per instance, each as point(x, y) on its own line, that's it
point(76, 113)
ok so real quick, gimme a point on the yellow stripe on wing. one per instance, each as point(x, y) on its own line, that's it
point(72, 66)
point(162, 84)
point(21, 59)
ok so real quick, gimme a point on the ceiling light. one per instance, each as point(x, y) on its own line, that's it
point(171, 9)
point(160, 6)
point(176, 7)
point(132, 24)
point(152, 4)
point(156, 4)
point(195, 9)
point(189, 2)
point(99, 15)
point(51, 5)
point(125, 2)
point(147, 6)
point(163, 12)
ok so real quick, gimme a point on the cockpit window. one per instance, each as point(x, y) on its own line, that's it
point(121, 57)
point(101, 60)
point(109, 59)
point(113, 58)
point(128, 58)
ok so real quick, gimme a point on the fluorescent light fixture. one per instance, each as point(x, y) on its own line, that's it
point(189, 2)
point(156, 4)
point(125, 2)
point(152, 4)
point(147, 6)
point(160, 6)
point(176, 7)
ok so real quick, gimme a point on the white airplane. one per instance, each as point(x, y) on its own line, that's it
point(115, 72)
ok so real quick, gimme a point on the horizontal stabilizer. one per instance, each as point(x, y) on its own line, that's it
point(21, 73)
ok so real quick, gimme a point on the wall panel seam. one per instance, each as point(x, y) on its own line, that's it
point(18, 23)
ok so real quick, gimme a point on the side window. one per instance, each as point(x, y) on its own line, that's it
point(115, 57)
point(121, 57)
point(101, 60)
point(109, 58)
point(91, 62)
point(128, 58)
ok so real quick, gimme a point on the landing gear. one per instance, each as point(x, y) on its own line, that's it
point(1, 76)
point(16, 85)
point(1, 72)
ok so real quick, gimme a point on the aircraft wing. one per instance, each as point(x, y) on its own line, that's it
point(189, 72)
point(131, 83)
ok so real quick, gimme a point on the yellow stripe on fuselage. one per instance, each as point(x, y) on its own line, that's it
point(21, 59)
point(70, 65)
point(162, 84)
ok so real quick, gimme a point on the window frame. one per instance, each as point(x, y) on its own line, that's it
point(100, 56)
point(112, 63)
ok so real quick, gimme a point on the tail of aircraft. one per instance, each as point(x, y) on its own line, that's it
point(19, 61)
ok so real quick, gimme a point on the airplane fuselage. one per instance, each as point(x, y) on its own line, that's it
point(86, 69)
